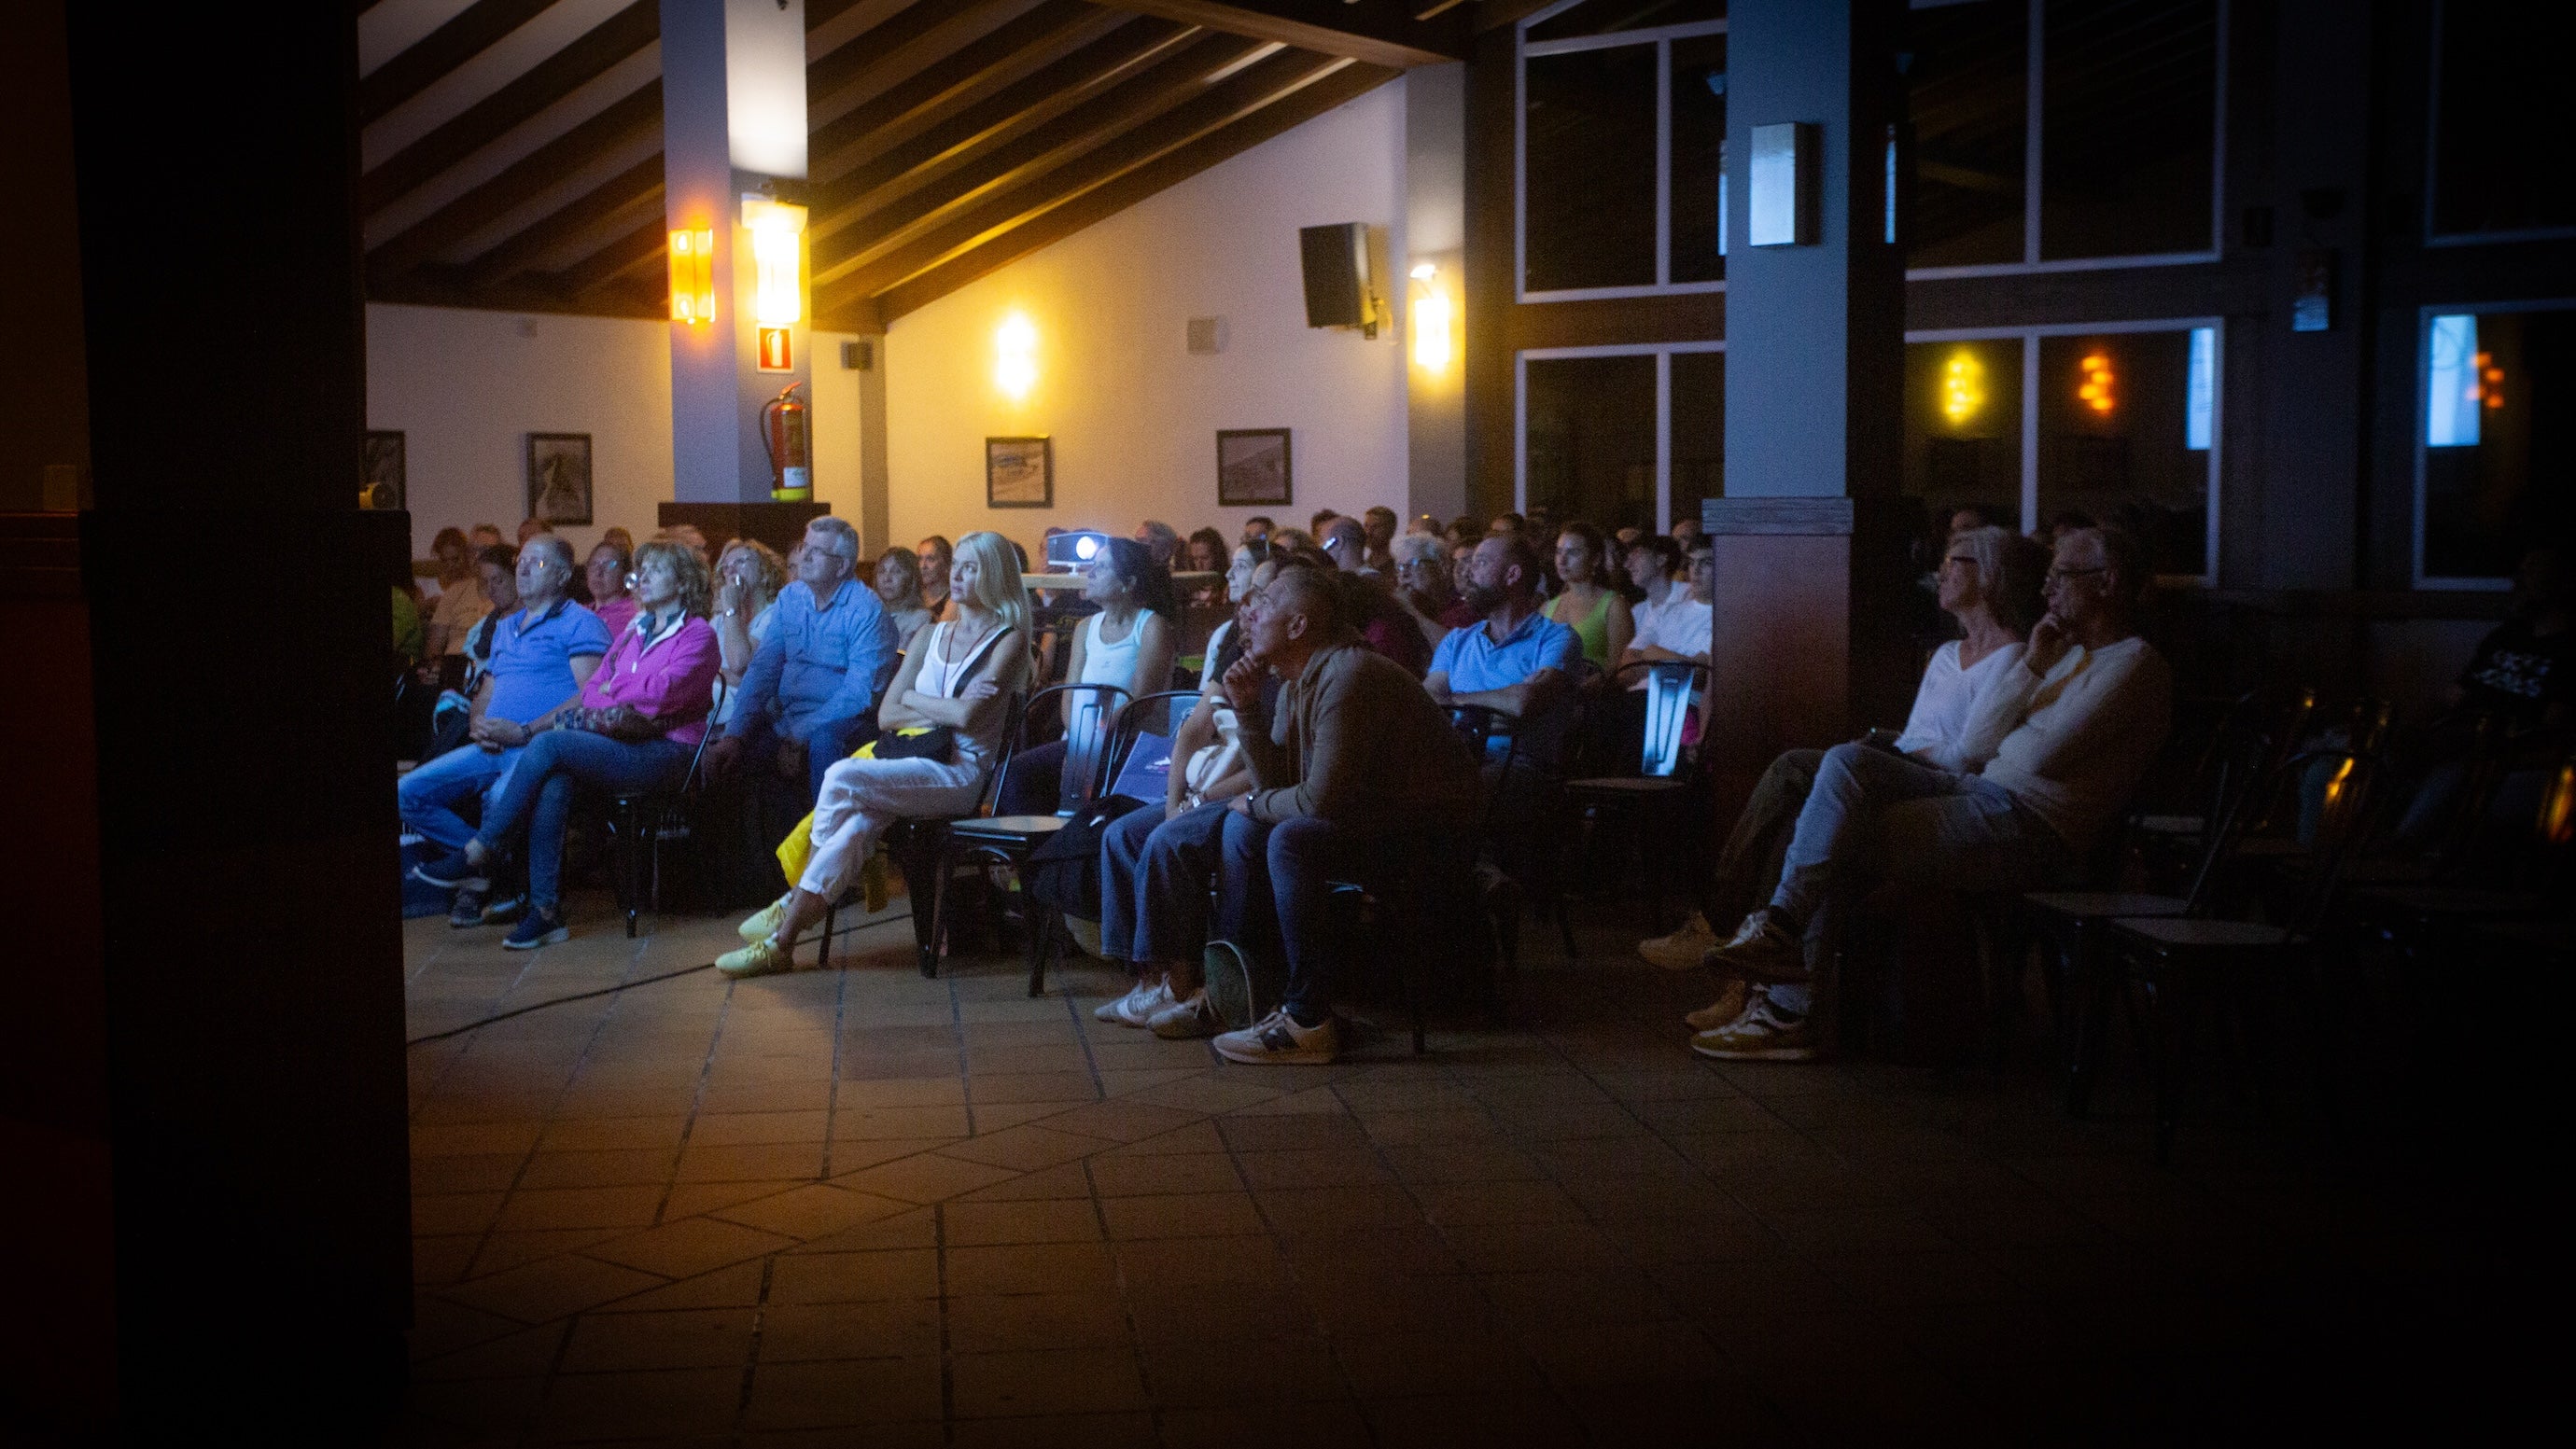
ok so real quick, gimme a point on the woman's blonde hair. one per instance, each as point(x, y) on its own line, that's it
point(697, 590)
point(769, 571)
point(998, 590)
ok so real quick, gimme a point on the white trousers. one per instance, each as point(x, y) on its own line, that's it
point(862, 797)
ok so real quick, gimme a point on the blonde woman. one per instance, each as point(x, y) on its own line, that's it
point(749, 575)
point(955, 683)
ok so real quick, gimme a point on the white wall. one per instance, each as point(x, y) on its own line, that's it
point(466, 388)
point(1133, 415)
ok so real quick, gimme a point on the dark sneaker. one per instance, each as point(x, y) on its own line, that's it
point(505, 910)
point(453, 871)
point(1762, 951)
point(538, 928)
point(468, 910)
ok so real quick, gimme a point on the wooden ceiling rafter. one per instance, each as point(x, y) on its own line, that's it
point(586, 212)
point(466, 35)
point(1036, 38)
point(625, 121)
point(1377, 33)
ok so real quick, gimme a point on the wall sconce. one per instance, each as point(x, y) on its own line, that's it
point(2095, 391)
point(1015, 361)
point(1433, 316)
point(777, 296)
point(1963, 387)
point(693, 275)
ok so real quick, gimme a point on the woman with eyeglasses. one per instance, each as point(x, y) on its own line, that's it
point(1422, 585)
point(610, 573)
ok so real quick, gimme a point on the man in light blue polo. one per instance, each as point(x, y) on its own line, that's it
point(1516, 660)
point(540, 656)
point(810, 695)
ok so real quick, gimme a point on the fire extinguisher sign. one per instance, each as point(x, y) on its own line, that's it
point(774, 354)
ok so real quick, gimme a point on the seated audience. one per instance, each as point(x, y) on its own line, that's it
point(1515, 660)
point(606, 573)
point(1369, 605)
point(898, 586)
point(484, 535)
point(619, 535)
point(1586, 602)
point(2067, 731)
point(1129, 643)
point(1206, 554)
point(1355, 770)
point(1155, 864)
point(1315, 523)
point(1284, 541)
point(1255, 528)
point(539, 648)
point(1160, 539)
point(687, 536)
point(1626, 539)
point(460, 595)
point(958, 680)
point(1379, 523)
point(1505, 523)
point(749, 577)
point(633, 727)
point(530, 527)
point(409, 641)
point(1654, 568)
point(2523, 674)
point(1683, 628)
point(1422, 586)
point(1686, 531)
point(1224, 643)
point(935, 555)
point(1345, 542)
point(810, 695)
point(496, 572)
point(1424, 525)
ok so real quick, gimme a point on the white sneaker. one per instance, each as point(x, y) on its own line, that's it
point(1187, 1020)
point(1138, 1006)
point(1681, 950)
point(1278, 1038)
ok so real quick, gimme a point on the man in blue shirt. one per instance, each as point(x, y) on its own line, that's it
point(810, 695)
point(540, 656)
point(1517, 659)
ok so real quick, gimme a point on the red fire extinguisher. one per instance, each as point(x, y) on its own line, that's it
point(787, 430)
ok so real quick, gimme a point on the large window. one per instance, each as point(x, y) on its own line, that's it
point(2496, 451)
point(1623, 148)
point(1622, 436)
point(2105, 111)
point(2502, 128)
point(2115, 423)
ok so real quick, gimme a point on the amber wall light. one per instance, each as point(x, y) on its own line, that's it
point(693, 275)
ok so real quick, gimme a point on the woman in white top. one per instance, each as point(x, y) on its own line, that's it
point(1129, 643)
point(958, 679)
point(1654, 565)
point(1990, 582)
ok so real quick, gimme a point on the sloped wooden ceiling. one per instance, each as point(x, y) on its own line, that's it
point(512, 149)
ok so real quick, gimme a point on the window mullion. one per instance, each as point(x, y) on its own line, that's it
point(1663, 163)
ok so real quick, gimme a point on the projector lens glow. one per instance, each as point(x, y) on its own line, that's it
point(1086, 548)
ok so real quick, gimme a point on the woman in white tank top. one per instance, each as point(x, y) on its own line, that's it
point(1129, 643)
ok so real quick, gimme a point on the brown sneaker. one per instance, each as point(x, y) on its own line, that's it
point(1680, 951)
point(1761, 951)
point(1729, 1005)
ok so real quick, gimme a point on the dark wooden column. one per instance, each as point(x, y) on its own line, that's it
point(1810, 558)
point(238, 911)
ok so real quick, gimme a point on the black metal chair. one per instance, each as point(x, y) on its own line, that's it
point(1090, 717)
point(913, 845)
point(1662, 773)
point(641, 821)
point(1167, 708)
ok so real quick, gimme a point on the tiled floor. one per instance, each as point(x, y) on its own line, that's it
point(855, 1206)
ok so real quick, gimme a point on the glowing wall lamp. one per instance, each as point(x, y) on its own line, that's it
point(2095, 391)
point(1015, 356)
point(1433, 316)
point(776, 257)
point(1963, 387)
point(693, 275)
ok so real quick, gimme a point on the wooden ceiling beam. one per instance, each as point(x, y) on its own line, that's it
point(591, 272)
point(1381, 32)
point(466, 35)
point(1178, 78)
point(1239, 95)
point(622, 124)
point(1130, 187)
point(862, 55)
point(487, 120)
point(1039, 37)
point(524, 249)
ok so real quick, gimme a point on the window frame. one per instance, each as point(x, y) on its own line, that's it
point(1661, 38)
point(2422, 417)
point(2432, 195)
point(1662, 352)
point(2030, 336)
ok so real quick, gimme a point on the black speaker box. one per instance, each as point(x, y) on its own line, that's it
point(1336, 264)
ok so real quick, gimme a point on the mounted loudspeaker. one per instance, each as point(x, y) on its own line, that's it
point(1336, 261)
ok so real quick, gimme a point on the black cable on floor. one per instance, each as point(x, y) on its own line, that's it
point(613, 990)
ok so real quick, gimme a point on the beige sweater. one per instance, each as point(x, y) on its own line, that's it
point(1357, 742)
point(2075, 742)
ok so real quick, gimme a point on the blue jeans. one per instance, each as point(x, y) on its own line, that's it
point(540, 793)
point(1300, 859)
point(1154, 876)
point(428, 796)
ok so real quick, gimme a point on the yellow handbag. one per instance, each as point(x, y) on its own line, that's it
point(798, 847)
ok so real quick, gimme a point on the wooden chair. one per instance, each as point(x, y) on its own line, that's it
point(913, 844)
point(1090, 717)
point(1661, 777)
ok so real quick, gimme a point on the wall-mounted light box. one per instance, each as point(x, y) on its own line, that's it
point(1786, 205)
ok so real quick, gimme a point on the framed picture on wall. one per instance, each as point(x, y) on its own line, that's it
point(1252, 467)
point(383, 485)
point(1019, 473)
point(559, 477)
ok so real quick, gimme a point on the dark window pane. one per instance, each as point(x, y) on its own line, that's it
point(2127, 119)
point(1591, 439)
point(1699, 157)
point(2115, 441)
point(1968, 96)
point(1602, 17)
point(2512, 422)
point(1591, 169)
point(2504, 130)
point(1699, 430)
point(1963, 427)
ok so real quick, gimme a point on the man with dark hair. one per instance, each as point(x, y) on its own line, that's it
point(2064, 735)
point(1315, 524)
point(1379, 522)
point(809, 697)
point(1256, 528)
point(1356, 769)
point(1517, 660)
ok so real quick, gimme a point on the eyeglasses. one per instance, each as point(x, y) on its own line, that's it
point(2059, 576)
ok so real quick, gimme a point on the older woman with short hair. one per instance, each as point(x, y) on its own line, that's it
point(1423, 585)
point(605, 571)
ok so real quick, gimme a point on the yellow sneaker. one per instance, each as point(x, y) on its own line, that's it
point(1729, 1005)
point(764, 923)
point(763, 957)
point(1681, 950)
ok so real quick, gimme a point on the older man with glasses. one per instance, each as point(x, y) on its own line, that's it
point(810, 695)
point(2071, 726)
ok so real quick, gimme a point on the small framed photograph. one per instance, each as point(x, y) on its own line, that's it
point(383, 486)
point(559, 477)
point(1252, 467)
point(1019, 473)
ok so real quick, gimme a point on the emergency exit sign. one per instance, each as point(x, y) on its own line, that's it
point(773, 350)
